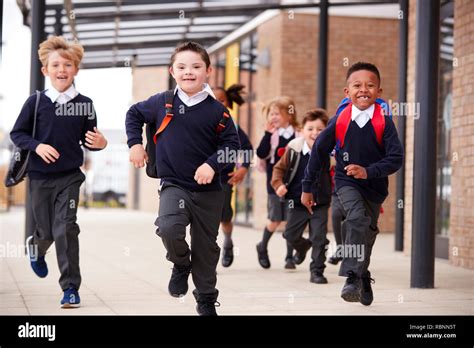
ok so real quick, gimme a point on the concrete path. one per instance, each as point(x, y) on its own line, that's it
point(124, 271)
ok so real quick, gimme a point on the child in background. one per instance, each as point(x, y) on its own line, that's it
point(56, 158)
point(280, 129)
point(286, 180)
point(229, 177)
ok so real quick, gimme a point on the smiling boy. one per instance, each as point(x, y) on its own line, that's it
point(286, 180)
point(188, 165)
point(368, 150)
point(53, 168)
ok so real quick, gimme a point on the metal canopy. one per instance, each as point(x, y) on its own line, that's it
point(117, 33)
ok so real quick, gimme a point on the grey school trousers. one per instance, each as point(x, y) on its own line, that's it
point(54, 203)
point(202, 210)
point(360, 226)
point(298, 218)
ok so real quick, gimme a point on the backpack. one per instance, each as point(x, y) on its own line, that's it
point(19, 161)
point(344, 119)
point(152, 133)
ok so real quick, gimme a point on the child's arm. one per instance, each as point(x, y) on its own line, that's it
point(393, 159)
point(279, 171)
point(228, 143)
point(92, 138)
point(22, 131)
point(319, 156)
point(139, 114)
point(23, 127)
point(263, 150)
point(247, 149)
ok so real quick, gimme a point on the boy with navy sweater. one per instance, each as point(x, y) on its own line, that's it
point(288, 173)
point(65, 120)
point(368, 150)
point(189, 159)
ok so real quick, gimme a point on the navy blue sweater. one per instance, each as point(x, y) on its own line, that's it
point(61, 126)
point(189, 140)
point(246, 146)
point(321, 190)
point(361, 148)
point(263, 150)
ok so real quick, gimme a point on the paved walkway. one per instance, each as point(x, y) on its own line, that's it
point(125, 272)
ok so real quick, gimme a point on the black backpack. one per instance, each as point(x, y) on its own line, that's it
point(19, 160)
point(152, 133)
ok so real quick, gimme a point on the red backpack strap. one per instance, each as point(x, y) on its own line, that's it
point(223, 122)
point(169, 95)
point(378, 122)
point(342, 123)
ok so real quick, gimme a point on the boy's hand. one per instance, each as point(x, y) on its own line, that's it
point(237, 176)
point(308, 201)
point(356, 171)
point(281, 191)
point(270, 127)
point(204, 174)
point(48, 153)
point(138, 156)
point(95, 139)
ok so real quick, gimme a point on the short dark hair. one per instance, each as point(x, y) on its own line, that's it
point(363, 66)
point(191, 46)
point(316, 114)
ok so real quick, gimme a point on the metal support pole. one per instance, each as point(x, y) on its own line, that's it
point(322, 53)
point(424, 182)
point(402, 98)
point(38, 8)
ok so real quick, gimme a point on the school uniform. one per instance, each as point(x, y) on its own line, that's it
point(189, 140)
point(276, 208)
point(63, 119)
point(291, 175)
point(360, 198)
point(245, 145)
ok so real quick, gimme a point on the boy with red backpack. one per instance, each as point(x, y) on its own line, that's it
point(194, 130)
point(368, 150)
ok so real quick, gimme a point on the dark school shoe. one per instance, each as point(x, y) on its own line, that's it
point(366, 293)
point(178, 285)
point(263, 259)
point(351, 290)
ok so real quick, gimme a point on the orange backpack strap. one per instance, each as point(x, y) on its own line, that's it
point(378, 122)
point(169, 96)
point(342, 123)
point(223, 122)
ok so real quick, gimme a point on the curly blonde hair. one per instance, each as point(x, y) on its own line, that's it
point(72, 51)
point(286, 105)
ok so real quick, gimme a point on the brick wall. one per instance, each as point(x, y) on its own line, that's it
point(461, 241)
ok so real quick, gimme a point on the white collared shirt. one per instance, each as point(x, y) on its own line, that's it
point(306, 149)
point(197, 98)
point(361, 117)
point(61, 98)
point(286, 132)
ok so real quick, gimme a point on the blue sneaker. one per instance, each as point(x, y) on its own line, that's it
point(71, 299)
point(38, 263)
